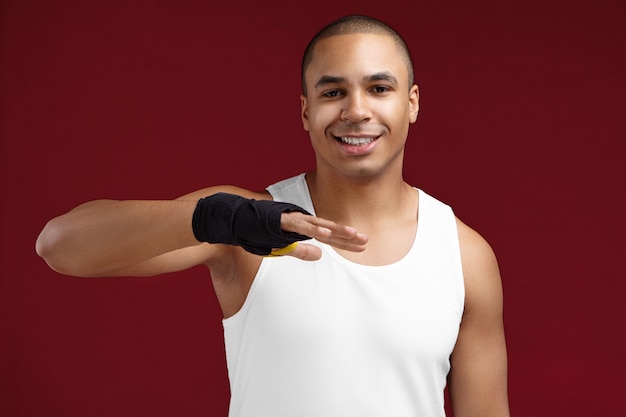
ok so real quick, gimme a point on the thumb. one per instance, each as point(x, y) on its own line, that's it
point(306, 252)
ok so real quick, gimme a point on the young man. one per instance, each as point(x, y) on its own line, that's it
point(385, 311)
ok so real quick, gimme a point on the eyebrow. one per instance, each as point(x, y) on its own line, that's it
point(383, 76)
point(379, 76)
point(329, 79)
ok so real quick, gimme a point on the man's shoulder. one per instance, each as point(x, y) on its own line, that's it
point(480, 266)
point(294, 181)
point(474, 247)
point(231, 189)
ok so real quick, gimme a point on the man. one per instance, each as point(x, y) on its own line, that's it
point(385, 311)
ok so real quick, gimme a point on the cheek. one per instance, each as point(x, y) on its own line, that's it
point(399, 116)
point(320, 119)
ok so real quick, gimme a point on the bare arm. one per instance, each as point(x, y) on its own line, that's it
point(104, 237)
point(137, 238)
point(478, 377)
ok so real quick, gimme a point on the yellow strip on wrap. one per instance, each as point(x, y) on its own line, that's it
point(282, 251)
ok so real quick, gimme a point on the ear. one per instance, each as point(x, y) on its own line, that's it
point(304, 111)
point(414, 106)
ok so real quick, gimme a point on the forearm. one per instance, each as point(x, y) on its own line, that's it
point(108, 235)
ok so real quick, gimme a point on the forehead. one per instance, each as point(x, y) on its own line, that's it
point(356, 55)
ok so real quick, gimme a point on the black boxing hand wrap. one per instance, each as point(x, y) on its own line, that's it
point(252, 224)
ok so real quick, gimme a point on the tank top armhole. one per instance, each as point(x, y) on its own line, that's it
point(295, 186)
point(459, 261)
point(256, 282)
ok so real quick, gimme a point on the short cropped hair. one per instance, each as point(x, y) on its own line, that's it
point(356, 24)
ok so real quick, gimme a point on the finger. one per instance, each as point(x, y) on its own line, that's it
point(306, 252)
point(303, 224)
point(342, 237)
point(336, 230)
point(315, 227)
point(358, 244)
point(326, 231)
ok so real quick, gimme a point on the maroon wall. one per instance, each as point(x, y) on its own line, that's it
point(521, 129)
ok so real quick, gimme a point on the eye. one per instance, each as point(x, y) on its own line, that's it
point(380, 89)
point(332, 93)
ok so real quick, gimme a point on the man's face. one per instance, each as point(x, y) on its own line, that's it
point(358, 105)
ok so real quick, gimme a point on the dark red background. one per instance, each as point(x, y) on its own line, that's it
point(521, 129)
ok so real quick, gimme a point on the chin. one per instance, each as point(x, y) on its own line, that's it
point(363, 171)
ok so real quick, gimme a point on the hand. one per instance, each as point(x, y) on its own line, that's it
point(325, 231)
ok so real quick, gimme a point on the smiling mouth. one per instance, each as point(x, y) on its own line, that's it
point(356, 141)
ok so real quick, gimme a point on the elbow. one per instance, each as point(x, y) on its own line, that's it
point(65, 246)
point(49, 246)
point(45, 244)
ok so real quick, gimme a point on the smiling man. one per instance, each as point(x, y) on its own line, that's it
point(370, 319)
point(359, 95)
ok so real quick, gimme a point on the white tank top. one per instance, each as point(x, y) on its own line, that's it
point(333, 338)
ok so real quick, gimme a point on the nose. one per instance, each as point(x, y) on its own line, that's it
point(355, 109)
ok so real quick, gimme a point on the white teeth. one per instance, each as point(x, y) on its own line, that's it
point(356, 141)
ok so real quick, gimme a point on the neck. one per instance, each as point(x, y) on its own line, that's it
point(356, 200)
